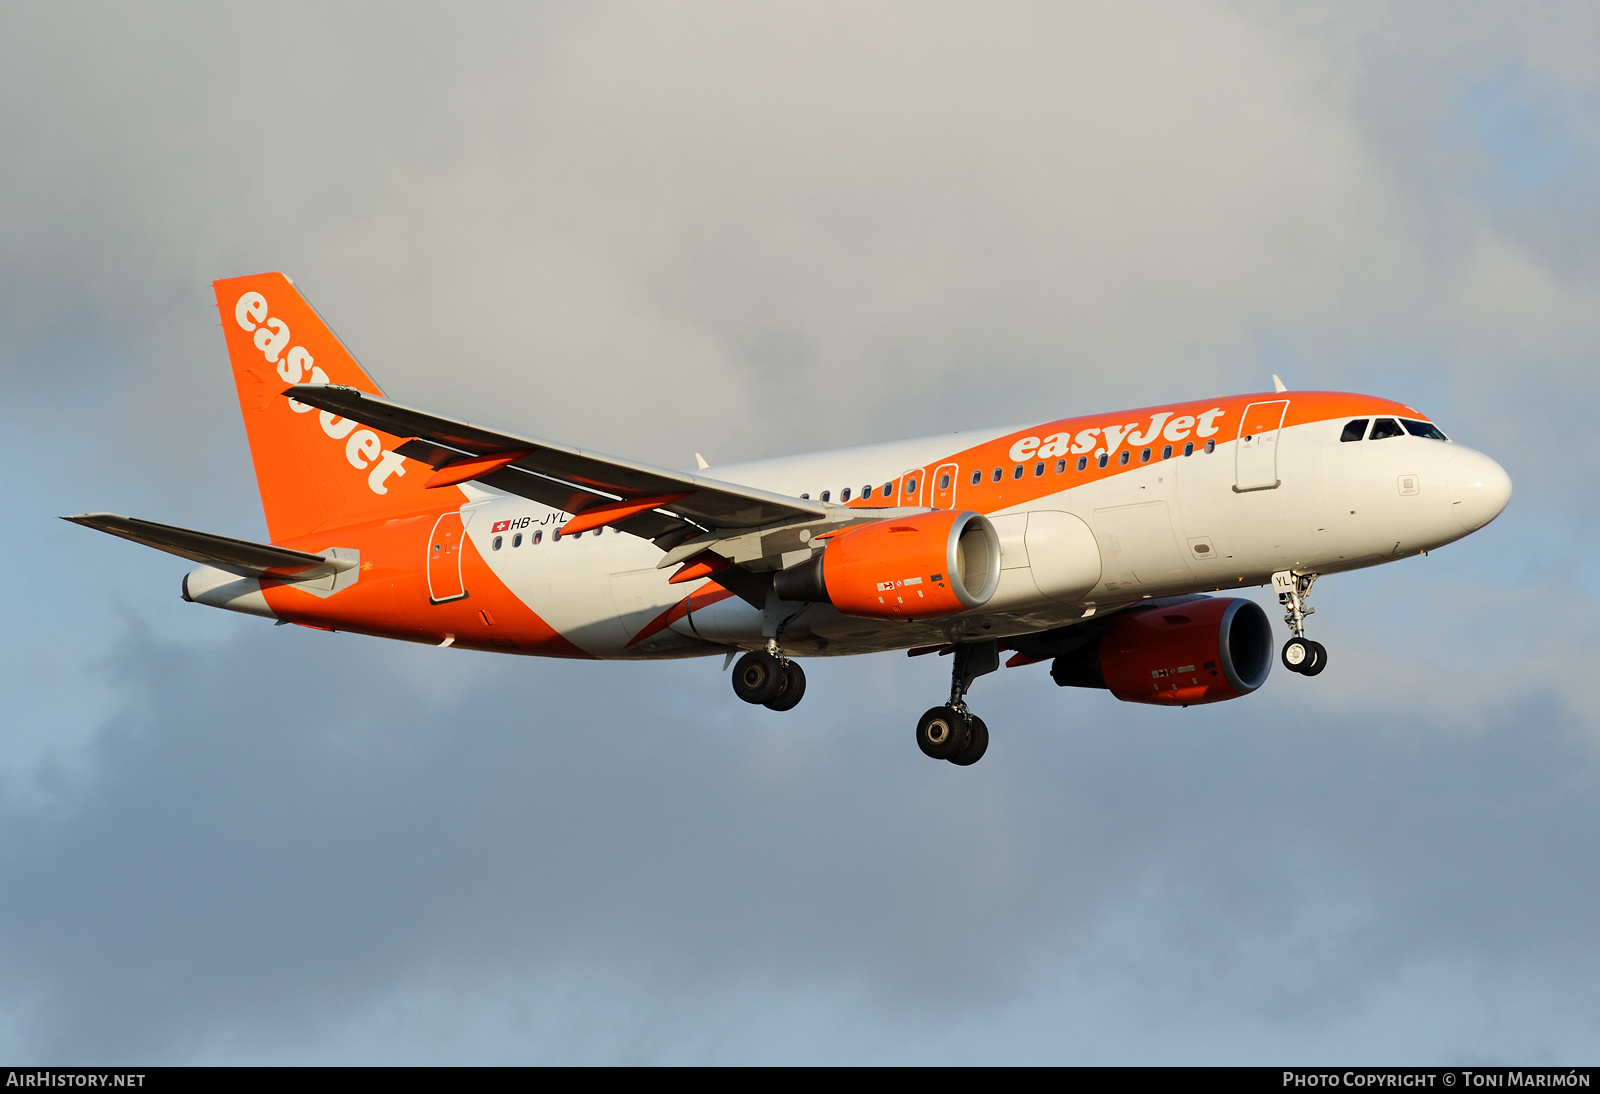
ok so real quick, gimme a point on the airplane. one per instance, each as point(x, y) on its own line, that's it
point(1094, 543)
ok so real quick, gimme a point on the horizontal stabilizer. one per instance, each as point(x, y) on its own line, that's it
point(236, 556)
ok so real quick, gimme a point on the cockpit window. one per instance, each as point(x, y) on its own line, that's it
point(1423, 429)
point(1384, 428)
point(1355, 430)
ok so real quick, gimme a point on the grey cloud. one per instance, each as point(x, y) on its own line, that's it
point(284, 831)
point(733, 211)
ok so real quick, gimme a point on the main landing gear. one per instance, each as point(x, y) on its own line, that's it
point(768, 679)
point(1300, 654)
point(952, 732)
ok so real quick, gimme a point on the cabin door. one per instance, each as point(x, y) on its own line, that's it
point(444, 559)
point(1256, 455)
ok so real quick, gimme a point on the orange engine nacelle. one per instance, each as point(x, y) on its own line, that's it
point(1196, 651)
point(915, 567)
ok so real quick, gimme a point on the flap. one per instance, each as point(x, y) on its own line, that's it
point(236, 556)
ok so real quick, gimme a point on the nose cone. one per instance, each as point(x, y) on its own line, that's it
point(1479, 489)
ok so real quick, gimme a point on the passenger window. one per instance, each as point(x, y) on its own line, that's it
point(1384, 428)
point(1083, 462)
point(1017, 472)
point(1355, 430)
point(866, 492)
point(516, 540)
point(1038, 469)
point(496, 543)
point(888, 490)
point(944, 482)
point(844, 495)
point(825, 494)
point(911, 486)
point(1144, 457)
point(1188, 448)
point(805, 497)
point(538, 538)
point(1423, 429)
point(1104, 459)
point(1211, 446)
point(1061, 466)
point(999, 473)
point(977, 477)
point(1122, 457)
point(1166, 452)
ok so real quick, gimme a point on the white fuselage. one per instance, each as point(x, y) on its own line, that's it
point(1198, 523)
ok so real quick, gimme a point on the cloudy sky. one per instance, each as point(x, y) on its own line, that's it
point(746, 230)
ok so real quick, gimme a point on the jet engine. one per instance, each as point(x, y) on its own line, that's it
point(914, 567)
point(1193, 651)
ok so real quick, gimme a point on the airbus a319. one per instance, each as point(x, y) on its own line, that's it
point(1093, 543)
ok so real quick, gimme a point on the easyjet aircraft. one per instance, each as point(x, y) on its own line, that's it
point(1087, 542)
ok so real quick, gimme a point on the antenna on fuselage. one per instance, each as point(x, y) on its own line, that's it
point(1277, 384)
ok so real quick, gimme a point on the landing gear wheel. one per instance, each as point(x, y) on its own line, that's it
point(977, 743)
point(758, 677)
point(941, 732)
point(1298, 654)
point(1319, 659)
point(792, 691)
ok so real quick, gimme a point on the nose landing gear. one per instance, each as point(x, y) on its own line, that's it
point(1304, 656)
point(1300, 654)
point(952, 732)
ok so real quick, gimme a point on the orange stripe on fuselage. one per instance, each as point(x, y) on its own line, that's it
point(390, 598)
point(706, 595)
point(989, 496)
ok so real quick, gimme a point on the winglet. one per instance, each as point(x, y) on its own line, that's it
point(1277, 384)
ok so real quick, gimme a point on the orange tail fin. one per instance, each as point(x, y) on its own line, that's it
point(313, 468)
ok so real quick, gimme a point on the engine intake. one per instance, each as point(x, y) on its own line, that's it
point(916, 567)
point(1196, 651)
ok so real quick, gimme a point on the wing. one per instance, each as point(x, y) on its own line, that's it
point(236, 556)
point(566, 478)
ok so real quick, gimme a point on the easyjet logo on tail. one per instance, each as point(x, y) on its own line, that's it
point(362, 447)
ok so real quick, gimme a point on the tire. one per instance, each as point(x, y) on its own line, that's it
point(1319, 659)
point(941, 732)
point(1298, 654)
point(793, 689)
point(757, 677)
point(977, 743)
